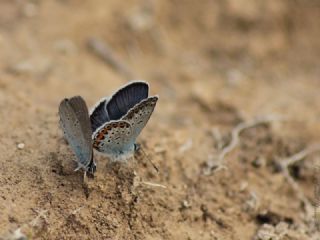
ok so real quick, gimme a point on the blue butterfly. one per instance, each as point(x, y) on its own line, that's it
point(117, 121)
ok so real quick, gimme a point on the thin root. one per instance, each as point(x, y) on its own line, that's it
point(285, 164)
point(217, 162)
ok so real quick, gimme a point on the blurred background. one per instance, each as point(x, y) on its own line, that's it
point(212, 48)
point(214, 63)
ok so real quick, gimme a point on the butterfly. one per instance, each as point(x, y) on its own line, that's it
point(117, 121)
point(75, 123)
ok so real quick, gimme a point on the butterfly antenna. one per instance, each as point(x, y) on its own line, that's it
point(149, 159)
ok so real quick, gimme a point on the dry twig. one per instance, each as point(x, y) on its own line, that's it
point(154, 184)
point(104, 52)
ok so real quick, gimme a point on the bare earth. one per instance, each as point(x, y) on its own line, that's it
point(215, 65)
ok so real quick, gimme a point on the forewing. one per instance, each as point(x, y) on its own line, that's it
point(125, 98)
point(99, 115)
point(113, 137)
point(81, 110)
point(74, 120)
point(139, 115)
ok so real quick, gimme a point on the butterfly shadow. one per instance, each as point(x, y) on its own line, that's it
point(62, 165)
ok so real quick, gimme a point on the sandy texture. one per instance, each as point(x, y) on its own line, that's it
point(214, 64)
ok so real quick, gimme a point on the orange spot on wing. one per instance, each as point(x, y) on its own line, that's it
point(100, 136)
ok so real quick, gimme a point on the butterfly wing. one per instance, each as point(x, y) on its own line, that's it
point(139, 115)
point(75, 122)
point(125, 98)
point(113, 138)
point(99, 115)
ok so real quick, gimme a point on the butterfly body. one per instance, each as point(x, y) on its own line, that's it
point(125, 114)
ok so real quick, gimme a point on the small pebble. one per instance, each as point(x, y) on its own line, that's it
point(281, 228)
point(20, 146)
point(65, 46)
point(159, 149)
point(22, 67)
point(243, 186)
point(259, 162)
point(235, 78)
point(185, 204)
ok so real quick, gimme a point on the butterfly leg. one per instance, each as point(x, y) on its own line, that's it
point(78, 168)
point(138, 148)
point(91, 169)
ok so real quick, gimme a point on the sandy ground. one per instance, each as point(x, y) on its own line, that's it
point(215, 65)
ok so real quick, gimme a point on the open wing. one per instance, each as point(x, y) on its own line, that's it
point(126, 98)
point(139, 115)
point(99, 114)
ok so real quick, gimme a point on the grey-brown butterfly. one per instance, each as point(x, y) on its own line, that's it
point(75, 122)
